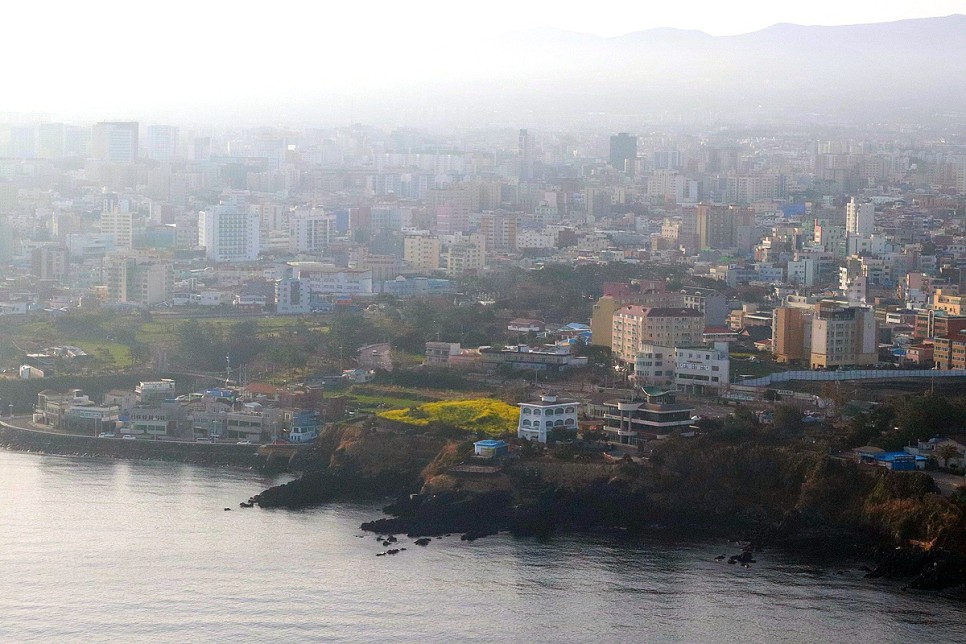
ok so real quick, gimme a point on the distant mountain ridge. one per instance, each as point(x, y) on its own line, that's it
point(908, 68)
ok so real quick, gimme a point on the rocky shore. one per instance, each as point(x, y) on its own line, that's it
point(768, 497)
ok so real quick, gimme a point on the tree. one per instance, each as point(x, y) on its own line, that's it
point(944, 452)
point(788, 421)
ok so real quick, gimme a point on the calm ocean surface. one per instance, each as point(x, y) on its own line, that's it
point(101, 550)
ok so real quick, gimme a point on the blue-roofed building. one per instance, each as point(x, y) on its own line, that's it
point(895, 461)
point(490, 448)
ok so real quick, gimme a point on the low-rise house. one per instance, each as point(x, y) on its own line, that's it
point(525, 325)
point(936, 447)
point(438, 353)
point(252, 422)
point(123, 399)
point(152, 392)
point(545, 358)
point(538, 419)
point(304, 426)
point(490, 448)
point(359, 376)
point(153, 421)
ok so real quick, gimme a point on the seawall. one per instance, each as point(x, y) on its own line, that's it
point(28, 440)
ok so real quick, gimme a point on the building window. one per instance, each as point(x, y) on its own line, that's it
point(526, 411)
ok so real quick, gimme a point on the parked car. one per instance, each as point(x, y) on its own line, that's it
point(128, 437)
point(107, 435)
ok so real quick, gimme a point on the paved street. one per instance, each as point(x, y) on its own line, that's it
point(376, 356)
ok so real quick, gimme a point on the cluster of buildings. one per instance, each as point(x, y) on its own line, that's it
point(651, 413)
point(255, 413)
point(297, 220)
point(827, 253)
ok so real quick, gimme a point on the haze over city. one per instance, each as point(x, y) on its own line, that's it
point(496, 321)
point(532, 64)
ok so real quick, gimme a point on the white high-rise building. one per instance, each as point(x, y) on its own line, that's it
point(229, 233)
point(859, 218)
point(310, 231)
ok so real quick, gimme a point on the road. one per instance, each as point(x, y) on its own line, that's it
point(376, 356)
point(948, 482)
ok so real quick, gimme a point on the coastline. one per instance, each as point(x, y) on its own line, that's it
point(764, 497)
point(23, 439)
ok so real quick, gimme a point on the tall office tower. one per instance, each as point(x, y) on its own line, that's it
point(229, 233)
point(117, 220)
point(115, 142)
point(859, 218)
point(202, 149)
point(50, 140)
point(623, 152)
point(77, 141)
point(525, 152)
point(310, 231)
point(162, 143)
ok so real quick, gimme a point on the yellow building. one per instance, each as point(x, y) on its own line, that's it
point(948, 300)
point(422, 252)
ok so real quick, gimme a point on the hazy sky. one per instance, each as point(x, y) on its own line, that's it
point(111, 59)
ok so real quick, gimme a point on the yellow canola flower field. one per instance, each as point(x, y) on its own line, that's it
point(480, 414)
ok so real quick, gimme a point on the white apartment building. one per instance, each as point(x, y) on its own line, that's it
point(229, 234)
point(698, 369)
point(535, 239)
point(310, 231)
point(292, 297)
point(323, 278)
point(859, 218)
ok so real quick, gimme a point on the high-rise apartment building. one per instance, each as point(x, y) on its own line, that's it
point(635, 326)
point(421, 252)
point(310, 231)
point(826, 333)
point(49, 262)
point(117, 220)
point(137, 281)
point(723, 226)
point(859, 218)
point(500, 231)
